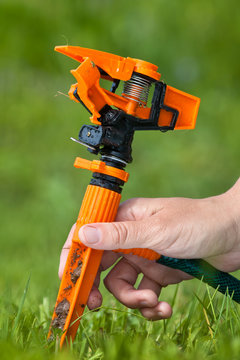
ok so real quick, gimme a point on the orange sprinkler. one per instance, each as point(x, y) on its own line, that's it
point(116, 118)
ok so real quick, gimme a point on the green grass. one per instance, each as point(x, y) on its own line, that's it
point(208, 325)
point(196, 45)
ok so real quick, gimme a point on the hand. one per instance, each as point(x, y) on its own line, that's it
point(121, 279)
point(175, 227)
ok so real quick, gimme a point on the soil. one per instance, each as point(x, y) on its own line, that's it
point(61, 310)
point(75, 257)
point(67, 288)
point(76, 273)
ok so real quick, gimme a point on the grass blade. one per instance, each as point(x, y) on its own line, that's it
point(16, 321)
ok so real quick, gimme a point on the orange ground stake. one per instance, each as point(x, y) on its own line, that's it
point(99, 205)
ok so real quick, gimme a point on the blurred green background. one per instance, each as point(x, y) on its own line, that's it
point(196, 45)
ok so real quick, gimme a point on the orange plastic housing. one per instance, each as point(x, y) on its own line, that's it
point(101, 167)
point(98, 64)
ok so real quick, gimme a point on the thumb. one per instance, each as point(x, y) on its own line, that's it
point(115, 235)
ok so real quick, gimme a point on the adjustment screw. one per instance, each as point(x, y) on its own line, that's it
point(89, 133)
point(110, 115)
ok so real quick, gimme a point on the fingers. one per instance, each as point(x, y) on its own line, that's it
point(150, 284)
point(120, 282)
point(162, 310)
point(159, 312)
point(95, 297)
point(161, 274)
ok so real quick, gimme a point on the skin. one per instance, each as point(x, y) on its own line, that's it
point(176, 227)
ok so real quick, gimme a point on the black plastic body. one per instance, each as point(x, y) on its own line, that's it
point(115, 134)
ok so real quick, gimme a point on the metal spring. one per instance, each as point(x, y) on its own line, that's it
point(137, 89)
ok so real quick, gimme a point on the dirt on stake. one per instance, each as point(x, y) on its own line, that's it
point(61, 310)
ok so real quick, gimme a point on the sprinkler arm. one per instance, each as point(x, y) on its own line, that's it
point(96, 65)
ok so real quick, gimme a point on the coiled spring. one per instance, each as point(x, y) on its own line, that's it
point(137, 89)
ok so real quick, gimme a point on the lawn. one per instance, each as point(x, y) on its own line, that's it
point(196, 46)
point(204, 324)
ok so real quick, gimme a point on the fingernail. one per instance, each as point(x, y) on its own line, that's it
point(144, 303)
point(160, 314)
point(89, 235)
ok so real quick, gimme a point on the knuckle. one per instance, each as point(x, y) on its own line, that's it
point(159, 233)
point(164, 283)
point(120, 231)
point(126, 210)
point(131, 209)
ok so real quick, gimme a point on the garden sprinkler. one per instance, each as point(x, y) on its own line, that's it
point(115, 118)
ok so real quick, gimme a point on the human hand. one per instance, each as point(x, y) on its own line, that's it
point(121, 279)
point(175, 227)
